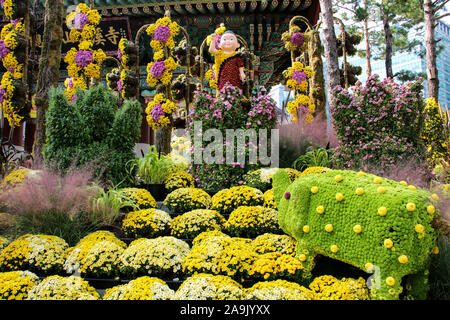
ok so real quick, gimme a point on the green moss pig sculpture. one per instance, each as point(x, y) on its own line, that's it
point(373, 223)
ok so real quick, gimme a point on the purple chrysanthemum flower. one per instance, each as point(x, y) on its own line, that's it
point(83, 58)
point(162, 34)
point(80, 21)
point(297, 38)
point(119, 85)
point(157, 69)
point(119, 54)
point(2, 94)
point(157, 112)
point(3, 50)
point(74, 97)
point(299, 76)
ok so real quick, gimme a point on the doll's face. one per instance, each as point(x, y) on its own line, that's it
point(228, 41)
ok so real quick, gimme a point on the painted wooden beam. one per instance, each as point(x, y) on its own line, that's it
point(232, 7)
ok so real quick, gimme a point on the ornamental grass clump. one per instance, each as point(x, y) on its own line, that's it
point(142, 288)
point(192, 223)
point(53, 203)
point(41, 254)
point(15, 285)
point(209, 287)
point(63, 288)
point(278, 290)
point(246, 221)
point(227, 200)
point(159, 257)
point(183, 200)
point(329, 288)
point(220, 255)
point(147, 223)
point(179, 179)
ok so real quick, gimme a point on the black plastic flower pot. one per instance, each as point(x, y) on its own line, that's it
point(158, 191)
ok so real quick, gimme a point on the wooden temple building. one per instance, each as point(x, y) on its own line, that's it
point(260, 22)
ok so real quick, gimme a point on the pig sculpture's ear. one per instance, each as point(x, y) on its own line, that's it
point(280, 183)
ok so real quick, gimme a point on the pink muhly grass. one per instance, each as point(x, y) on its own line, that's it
point(300, 133)
point(51, 191)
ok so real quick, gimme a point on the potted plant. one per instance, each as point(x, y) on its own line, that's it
point(152, 171)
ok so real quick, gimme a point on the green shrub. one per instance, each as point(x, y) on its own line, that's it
point(92, 131)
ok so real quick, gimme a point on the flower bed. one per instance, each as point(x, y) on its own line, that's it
point(149, 223)
point(246, 221)
point(225, 201)
point(183, 200)
point(192, 223)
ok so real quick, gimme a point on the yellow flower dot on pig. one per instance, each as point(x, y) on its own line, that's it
point(339, 196)
point(359, 191)
point(320, 209)
point(411, 206)
point(381, 190)
point(431, 209)
point(388, 243)
point(314, 189)
point(377, 180)
point(334, 248)
point(338, 178)
point(390, 281)
point(306, 229)
point(403, 259)
point(382, 211)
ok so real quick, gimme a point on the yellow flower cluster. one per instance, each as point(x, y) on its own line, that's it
point(251, 221)
point(293, 83)
point(269, 201)
point(9, 84)
point(286, 37)
point(209, 76)
point(148, 223)
point(101, 260)
point(278, 290)
point(215, 234)
point(192, 223)
point(433, 132)
point(293, 174)
point(142, 198)
point(174, 31)
point(269, 242)
point(167, 107)
point(158, 257)
point(329, 288)
point(63, 288)
point(226, 200)
point(42, 254)
point(301, 100)
point(220, 255)
point(142, 288)
point(183, 200)
point(209, 287)
point(275, 265)
point(10, 35)
point(77, 254)
point(166, 76)
point(79, 75)
point(312, 170)
point(14, 179)
point(179, 179)
point(14, 285)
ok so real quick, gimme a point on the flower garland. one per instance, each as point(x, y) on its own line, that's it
point(295, 40)
point(161, 71)
point(13, 55)
point(85, 62)
point(159, 110)
point(163, 32)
